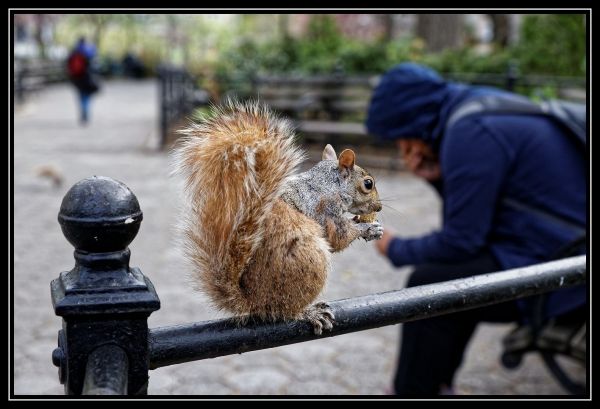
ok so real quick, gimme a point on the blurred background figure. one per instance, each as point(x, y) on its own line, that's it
point(514, 194)
point(80, 72)
point(133, 67)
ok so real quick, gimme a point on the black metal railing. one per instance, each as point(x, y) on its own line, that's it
point(106, 372)
point(105, 346)
point(184, 343)
point(178, 96)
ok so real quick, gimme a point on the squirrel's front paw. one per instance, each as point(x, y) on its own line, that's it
point(320, 316)
point(371, 231)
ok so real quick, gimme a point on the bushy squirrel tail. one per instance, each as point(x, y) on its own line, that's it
point(234, 163)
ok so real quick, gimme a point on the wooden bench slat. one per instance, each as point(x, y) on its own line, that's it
point(334, 96)
point(320, 80)
point(332, 127)
point(315, 93)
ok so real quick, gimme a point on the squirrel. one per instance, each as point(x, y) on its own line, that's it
point(51, 172)
point(258, 235)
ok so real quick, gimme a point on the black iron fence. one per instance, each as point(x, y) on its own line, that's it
point(106, 347)
point(179, 94)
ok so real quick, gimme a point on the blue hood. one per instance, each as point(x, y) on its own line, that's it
point(89, 50)
point(413, 101)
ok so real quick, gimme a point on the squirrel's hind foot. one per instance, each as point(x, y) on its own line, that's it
point(320, 316)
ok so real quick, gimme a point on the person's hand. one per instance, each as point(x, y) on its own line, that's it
point(420, 159)
point(384, 242)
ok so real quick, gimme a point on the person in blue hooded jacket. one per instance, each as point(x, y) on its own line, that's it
point(514, 191)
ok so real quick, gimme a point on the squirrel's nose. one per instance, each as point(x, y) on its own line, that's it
point(377, 207)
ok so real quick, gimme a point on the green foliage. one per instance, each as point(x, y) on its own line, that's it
point(314, 54)
point(227, 56)
point(553, 44)
point(539, 94)
point(467, 60)
point(323, 50)
point(356, 57)
point(550, 44)
point(317, 52)
point(319, 49)
point(236, 67)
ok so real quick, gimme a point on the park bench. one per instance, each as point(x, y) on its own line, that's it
point(106, 348)
point(334, 107)
point(323, 106)
point(31, 76)
point(327, 109)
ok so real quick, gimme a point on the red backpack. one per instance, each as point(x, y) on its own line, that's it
point(76, 64)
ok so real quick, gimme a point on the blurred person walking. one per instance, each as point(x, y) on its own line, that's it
point(80, 72)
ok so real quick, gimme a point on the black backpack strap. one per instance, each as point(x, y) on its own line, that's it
point(495, 104)
point(570, 114)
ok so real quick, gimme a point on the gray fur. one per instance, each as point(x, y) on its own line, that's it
point(325, 192)
point(305, 190)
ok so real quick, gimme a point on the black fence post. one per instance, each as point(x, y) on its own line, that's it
point(512, 76)
point(20, 73)
point(104, 303)
point(179, 95)
point(106, 372)
point(164, 105)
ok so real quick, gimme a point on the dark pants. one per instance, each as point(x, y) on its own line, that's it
point(432, 350)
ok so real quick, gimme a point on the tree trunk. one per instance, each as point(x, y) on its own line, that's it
point(284, 32)
point(501, 30)
point(172, 38)
point(40, 21)
point(130, 31)
point(441, 31)
point(387, 22)
point(98, 21)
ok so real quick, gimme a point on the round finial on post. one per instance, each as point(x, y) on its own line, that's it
point(102, 300)
point(99, 214)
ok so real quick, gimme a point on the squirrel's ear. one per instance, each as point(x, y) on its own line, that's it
point(346, 160)
point(329, 153)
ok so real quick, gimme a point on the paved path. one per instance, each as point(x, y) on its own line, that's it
point(121, 143)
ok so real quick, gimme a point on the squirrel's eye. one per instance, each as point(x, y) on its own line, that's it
point(368, 184)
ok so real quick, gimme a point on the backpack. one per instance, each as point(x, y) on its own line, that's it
point(570, 115)
point(77, 64)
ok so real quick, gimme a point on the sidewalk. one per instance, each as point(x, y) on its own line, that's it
point(120, 142)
